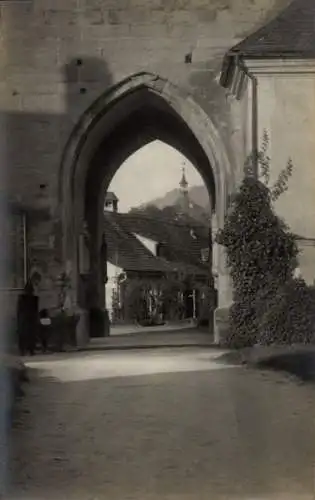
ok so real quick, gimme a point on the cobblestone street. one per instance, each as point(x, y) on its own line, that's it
point(167, 424)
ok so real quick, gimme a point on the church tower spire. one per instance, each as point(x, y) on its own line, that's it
point(184, 198)
point(183, 182)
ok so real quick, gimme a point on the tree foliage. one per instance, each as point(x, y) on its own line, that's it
point(173, 213)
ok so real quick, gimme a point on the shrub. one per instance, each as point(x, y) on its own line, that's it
point(290, 317)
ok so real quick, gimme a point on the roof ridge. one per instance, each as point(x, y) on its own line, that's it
point(280, 16)
point(290, 33)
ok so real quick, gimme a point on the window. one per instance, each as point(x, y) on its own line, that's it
point(205, 255)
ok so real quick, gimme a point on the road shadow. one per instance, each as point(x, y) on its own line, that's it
point(300, 365)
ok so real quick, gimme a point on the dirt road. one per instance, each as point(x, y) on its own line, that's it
point(167, 424)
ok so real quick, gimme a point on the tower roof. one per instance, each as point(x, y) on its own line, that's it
point(110, 196)
point(183, 182)
point(291, 34)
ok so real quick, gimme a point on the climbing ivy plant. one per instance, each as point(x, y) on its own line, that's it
point(261, 251)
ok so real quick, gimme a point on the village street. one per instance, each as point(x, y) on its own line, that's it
point(161, 424)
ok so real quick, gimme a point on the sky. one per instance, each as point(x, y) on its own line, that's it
point(150, 173)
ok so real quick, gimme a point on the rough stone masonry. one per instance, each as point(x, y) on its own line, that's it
point(59, 56)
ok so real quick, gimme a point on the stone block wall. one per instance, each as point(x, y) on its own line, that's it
point(58, 56)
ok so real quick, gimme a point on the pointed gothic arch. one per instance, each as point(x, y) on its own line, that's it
point(138, 110)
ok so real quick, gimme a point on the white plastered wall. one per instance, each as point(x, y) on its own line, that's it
point(286, 110)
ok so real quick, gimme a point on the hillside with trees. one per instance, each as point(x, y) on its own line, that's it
point(169, 207)
point(197, 194)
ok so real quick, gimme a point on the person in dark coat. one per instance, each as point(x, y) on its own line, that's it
point(27, 320)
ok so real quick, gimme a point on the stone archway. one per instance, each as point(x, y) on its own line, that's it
point(140, 109)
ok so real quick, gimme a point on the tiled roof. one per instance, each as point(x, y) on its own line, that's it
point(183, 243)
point(290, 34)
point(126, 251)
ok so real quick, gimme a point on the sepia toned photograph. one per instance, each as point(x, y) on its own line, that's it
point(157, 266)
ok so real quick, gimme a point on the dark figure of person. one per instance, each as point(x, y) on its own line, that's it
point(27, 320)
point(44, 328)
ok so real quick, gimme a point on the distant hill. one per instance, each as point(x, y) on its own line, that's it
point(197, 194)
point(200, 196)
point(169, 206)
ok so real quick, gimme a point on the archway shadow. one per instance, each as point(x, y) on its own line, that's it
point(35, 142)
point(153, 122)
